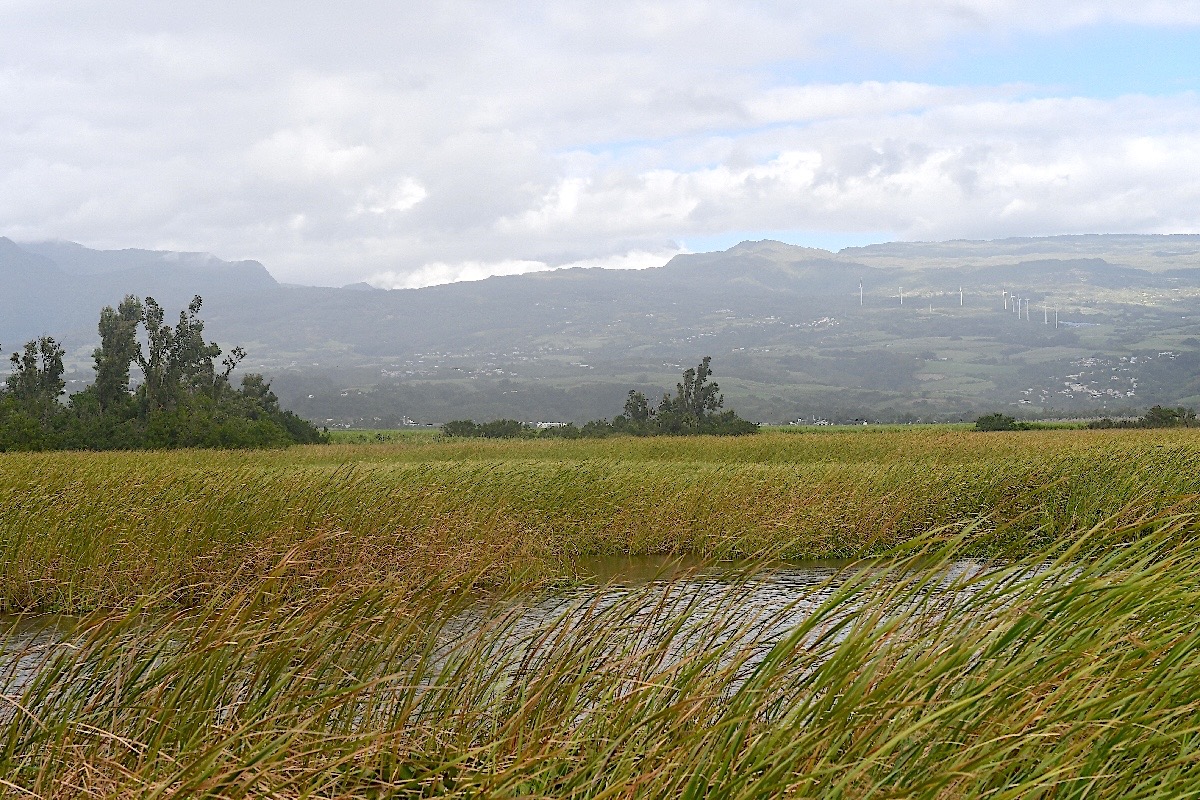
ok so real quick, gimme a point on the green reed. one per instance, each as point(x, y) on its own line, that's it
point(310, 622)
point(1073, 673)
point(85, 530)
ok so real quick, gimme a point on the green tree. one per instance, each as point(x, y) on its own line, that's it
point(117, 351)
point(637, 407)
point(695, 398)
point(996, 422)
point(185, 400)
point(155, 359)
point(694, 407)
point(496, 429)
point(256, 388)
point(693, 410)
point(177, 361)
point(36, 381)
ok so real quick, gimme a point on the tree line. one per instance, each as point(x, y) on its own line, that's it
point(1156, 417)
point(694, 409)
point(185, 398)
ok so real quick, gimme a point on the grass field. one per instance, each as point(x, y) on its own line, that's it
point(338, 621)
point(383, 435)
point(82, 530)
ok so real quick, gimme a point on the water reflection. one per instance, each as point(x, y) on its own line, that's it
point(662, 607)
point(654, 612)
point(25, 642)
point(626, 570)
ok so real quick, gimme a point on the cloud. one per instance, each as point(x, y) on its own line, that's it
point(401, 197)
point(440, 273)
point(447, 141)
point(978, 168)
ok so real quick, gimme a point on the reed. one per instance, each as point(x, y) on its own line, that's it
point(80, 531)
point(1068, 673)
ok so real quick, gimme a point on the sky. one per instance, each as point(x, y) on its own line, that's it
point(410, 144)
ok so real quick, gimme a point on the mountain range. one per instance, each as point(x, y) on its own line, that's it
point(897, 331)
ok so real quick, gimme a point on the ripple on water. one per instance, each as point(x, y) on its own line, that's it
point(627, 600)
point(25, 642)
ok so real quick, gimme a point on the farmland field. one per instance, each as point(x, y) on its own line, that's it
point(351, 619)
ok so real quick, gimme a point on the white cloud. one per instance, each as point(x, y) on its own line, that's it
point(816, 101)
point(437, 273)
point(401, 197)
point(977, 168)
point(306, 155)
point(467, 139)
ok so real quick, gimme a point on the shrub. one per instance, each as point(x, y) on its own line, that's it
point(996, 422)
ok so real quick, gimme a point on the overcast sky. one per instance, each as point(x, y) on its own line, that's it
point(416, 143)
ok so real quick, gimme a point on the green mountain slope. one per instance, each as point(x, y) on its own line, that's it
point(785, 326)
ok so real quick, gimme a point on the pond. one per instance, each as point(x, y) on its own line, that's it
point(673, 608)
point(665, 605)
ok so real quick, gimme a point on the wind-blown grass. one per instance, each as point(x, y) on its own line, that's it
point(1077, 676)
point(309, 623)
point(85, 530)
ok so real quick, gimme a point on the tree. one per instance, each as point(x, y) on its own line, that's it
point(694, 407)
point(36, 382)
point(695, 398)
point(637, 407)
point(255, 388)
point(996, 422)
point(154, 361)
point(177, 361)
point(117, 351)
point(185, 400)
point(693, 410)
point(496, 429)
point(1160, 417)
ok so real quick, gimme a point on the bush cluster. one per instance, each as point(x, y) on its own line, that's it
point(693, 410)
point(184, 400)
point(1156, 417)
point(999, 422)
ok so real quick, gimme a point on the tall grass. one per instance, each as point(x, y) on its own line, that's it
point(1073, 673)
point(85, 530)
point(309, 623)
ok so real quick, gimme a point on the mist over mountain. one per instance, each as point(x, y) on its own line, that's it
point(789, 336)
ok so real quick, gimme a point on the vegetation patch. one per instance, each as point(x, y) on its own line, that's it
point(185, 398)
point(390, 619)
point(694, 410)
point(80, 530)
point(1073, 672)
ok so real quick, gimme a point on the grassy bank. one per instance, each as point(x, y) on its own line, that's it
point(1077, 678)
point(301, 623)
point(83, 530)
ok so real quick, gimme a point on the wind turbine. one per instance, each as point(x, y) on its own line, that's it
point(901, 295)
point(860, 293)
point(1006, 301)
point(960, 295)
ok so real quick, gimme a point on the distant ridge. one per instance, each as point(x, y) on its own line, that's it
point(1147, 251)
point(60, 286)
point(794, 331)
point(75, 259)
